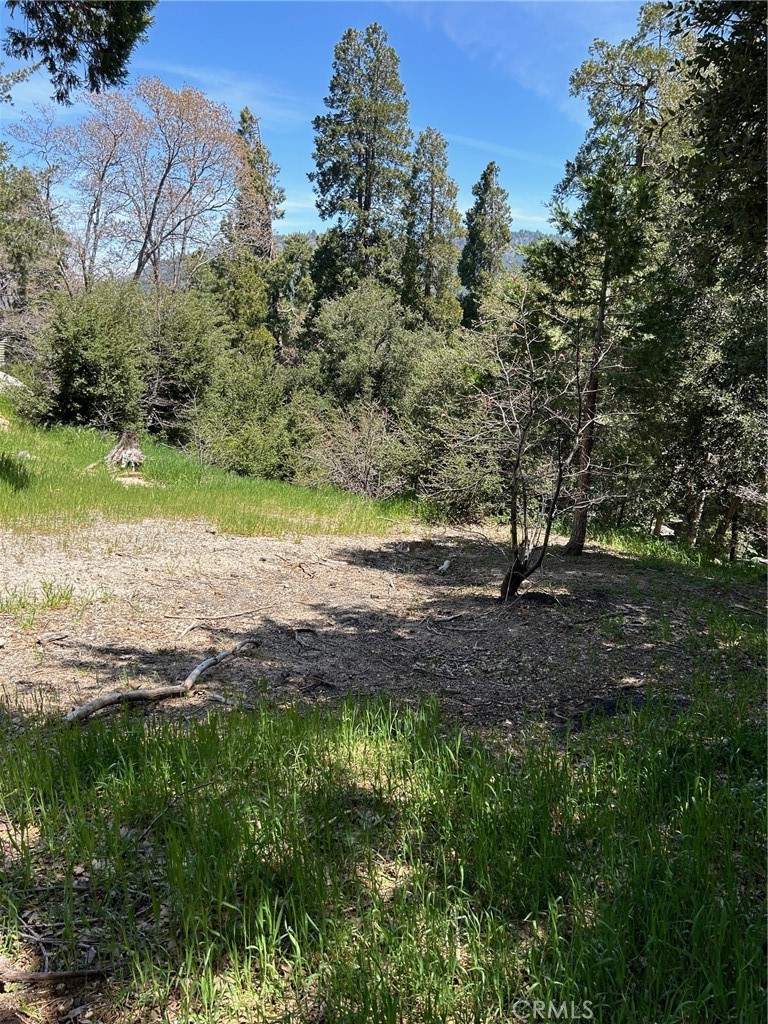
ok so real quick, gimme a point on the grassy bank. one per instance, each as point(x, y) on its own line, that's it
point(375, 864)
point(52, 490)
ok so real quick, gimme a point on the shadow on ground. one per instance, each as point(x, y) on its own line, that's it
point(588, 636)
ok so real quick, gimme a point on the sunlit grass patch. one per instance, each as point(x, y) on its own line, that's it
point(665, 554)
point(24, 604)
point(375, 864)
point(54, 489)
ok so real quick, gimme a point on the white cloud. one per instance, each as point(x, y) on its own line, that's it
point(273, 105)
point(534, 221)
point(537, 45)
point(35, 92)
point(296, 205)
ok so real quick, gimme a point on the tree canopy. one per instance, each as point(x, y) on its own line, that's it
point(361, 144)
point(80, 42)
point(488, 239)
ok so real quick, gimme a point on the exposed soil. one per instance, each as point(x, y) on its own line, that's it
point(334, 616)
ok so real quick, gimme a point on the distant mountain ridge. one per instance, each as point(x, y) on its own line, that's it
point(523, 237)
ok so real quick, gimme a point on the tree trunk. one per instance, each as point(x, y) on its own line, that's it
point(575, 545)
point(512, 580)
point(728, 516)
point(624, 499)
point(694, 519)
point(126, 453)
point(734, 536)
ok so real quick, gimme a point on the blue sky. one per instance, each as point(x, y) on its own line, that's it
point(492, 77)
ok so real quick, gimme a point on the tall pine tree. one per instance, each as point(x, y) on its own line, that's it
point(433, 225)
point(361, 147)
point(614, 181)
point(488, 238)
point(260, 196)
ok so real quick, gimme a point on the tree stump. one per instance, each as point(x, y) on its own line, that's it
point(126, 453)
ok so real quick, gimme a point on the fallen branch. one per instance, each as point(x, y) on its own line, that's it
point(198, 622)
point(159, 692)
point(212, 618)
point(46, 977)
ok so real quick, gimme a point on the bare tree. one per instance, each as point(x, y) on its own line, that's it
point(533, 398)
point(516, 444)
point(142, 183)
point(179, 176)
point(41, 140)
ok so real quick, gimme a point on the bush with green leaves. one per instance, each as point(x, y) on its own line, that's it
point(187, 332)
point(444, 413)
point(365, 344)
point(96, 357)
point(258, 417)
point(119, 356)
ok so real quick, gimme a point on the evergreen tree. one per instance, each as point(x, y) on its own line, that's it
point(433, 225)
point(31, 249)
point(624, 83)
point(241, 276)
point(99, 35)
point(488, 238)
point(598, 267)
point(260, 196)
point(722, 167)
point(611, 237)
point(361, 146)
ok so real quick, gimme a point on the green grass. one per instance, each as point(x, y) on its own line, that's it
point(374, 864)
point(657, 553)
point(52, 492)
point(25, 604)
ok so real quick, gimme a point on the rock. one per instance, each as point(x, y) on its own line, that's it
point(49, 638)
point(7, 381)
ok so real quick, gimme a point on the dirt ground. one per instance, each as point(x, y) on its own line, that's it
point(333, 616)
point(144, 603)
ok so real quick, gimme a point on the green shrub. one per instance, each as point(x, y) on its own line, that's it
point(256, 420)
point(96, 357)
point(187, 333)
point(365, 344)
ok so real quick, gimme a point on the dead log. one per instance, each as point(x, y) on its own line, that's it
point(127, 452)
point(159, 692)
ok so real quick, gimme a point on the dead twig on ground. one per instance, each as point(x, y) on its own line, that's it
point(8, 976)
point(200, 619)
point(215, 618)
point(159, 692)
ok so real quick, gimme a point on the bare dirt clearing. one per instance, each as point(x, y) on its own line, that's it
point(332, 616)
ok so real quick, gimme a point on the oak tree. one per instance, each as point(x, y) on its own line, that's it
point(143, 183)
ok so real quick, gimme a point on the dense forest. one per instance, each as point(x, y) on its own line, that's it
point(606, 373)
